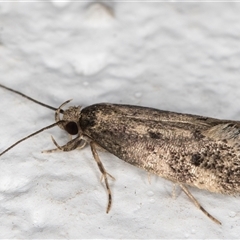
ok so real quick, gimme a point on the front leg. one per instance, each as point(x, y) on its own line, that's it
point(76, 143)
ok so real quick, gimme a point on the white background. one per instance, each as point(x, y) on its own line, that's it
point(182, 57)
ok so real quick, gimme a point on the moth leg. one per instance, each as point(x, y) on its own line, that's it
point(69, 146)
point(69, 137)
point(197, 204)
point(83, 144)
point(51, 150)
point(174, 191)
point(104, 173)
point(113, 178)
point(99, 148)
point(149, 178)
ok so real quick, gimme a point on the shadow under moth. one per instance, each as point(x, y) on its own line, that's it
point(186, 149)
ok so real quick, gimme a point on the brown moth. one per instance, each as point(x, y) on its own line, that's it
point(186, 149)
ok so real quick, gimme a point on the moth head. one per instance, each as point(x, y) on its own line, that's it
point(70, 118)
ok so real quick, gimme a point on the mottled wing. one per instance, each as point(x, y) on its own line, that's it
point(190, 149)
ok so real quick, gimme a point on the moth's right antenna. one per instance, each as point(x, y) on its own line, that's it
point(35, 133)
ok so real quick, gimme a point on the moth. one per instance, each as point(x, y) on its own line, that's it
point(188, 150)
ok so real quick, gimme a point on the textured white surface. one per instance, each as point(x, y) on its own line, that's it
point(182, 57)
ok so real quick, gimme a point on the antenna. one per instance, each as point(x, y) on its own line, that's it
point(31, 135)
point(41, 130)
point(31, 99)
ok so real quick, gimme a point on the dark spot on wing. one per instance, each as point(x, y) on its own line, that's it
point(196, 159)
point(198, 135)
point(155, 135)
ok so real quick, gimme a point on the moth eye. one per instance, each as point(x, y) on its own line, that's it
point(72, 128)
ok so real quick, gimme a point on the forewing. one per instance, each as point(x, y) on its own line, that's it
point(180, 147)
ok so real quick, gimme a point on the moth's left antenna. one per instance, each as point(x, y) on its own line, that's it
point(29, 98)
